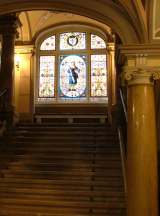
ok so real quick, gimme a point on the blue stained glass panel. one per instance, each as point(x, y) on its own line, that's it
point(46, 79)
point(72, 76)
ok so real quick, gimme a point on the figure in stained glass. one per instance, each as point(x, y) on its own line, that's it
point(72, 76)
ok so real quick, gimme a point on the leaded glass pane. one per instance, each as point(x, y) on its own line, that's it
point(46, 79)
point(97, 42)
point(98, 76)
point(48, 44)
point(72, 40)
point(72, 77)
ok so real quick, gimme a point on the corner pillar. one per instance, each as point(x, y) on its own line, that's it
point(142, 177)
point(112, 83)
point(8, 31)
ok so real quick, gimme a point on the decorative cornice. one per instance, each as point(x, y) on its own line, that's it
point(24, 49)
point(139, 76)
point(127, 51)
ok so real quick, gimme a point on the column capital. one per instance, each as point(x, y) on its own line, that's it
point(9, 24)
point(138, 76)
point(111, 47)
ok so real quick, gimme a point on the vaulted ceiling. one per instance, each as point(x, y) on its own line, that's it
point(135, 21)
point(33, 22)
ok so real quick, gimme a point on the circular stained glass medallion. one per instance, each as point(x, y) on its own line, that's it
point(72, 40)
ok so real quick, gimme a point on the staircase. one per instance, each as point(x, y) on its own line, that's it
point(67, 170)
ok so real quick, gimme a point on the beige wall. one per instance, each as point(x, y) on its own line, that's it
point(22, 82)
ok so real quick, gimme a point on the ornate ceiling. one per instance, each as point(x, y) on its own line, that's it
point(33, 22)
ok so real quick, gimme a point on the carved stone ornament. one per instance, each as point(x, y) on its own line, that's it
point(9, 24)
point(141, 76)
point(156, 75)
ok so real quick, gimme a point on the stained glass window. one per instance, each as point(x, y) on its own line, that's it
point(64, 59)
point(97, 42)
point(72, 40)
point(48, 44)
point(72, 76)
point(46, 80)
point(98, 76)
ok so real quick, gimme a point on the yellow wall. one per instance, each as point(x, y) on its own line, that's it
point(22, 83)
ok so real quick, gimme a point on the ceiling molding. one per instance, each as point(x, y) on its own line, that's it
point(29, 25)
point(156, 19)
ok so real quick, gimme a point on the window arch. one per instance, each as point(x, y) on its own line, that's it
point(72, 67)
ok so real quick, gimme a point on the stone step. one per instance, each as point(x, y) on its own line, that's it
point(45, 182)
point(114, 181)
point(63, 128)
point(63, 132)
point(48, 165)
point(10, 158)
point(56, 203)
point(64, 138)
point(60, 172)
point(12, 210)
point(59, 150)
point(70, 194)
point(44, 197)
point(44, 186)
point(49, 170)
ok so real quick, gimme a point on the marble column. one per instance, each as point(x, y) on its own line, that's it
point(8, 32)
point(142, 198)
point(112, 71)
point(8, 26)
point(112, 82)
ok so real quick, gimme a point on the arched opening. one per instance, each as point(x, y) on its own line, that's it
point(51, 78)
point(77, 62)
point(98, 15)
point(45, 52)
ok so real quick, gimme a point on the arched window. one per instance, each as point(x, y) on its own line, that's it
point(72, 67)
